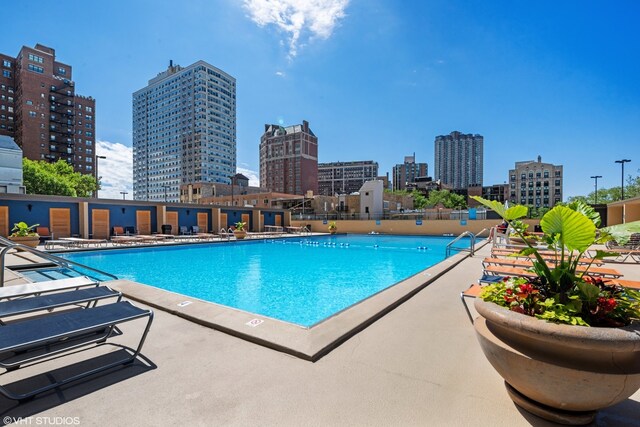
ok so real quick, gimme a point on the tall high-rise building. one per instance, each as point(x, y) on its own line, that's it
point(534, 183)
point(406, 173)
point(289, 159)
point(184, 131)
point(40, 109)
point(459, 160)
point(345, 177)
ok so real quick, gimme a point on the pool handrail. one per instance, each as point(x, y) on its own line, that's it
point(471, 245)
point(62, 262)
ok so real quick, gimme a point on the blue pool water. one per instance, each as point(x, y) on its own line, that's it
point(300, 280)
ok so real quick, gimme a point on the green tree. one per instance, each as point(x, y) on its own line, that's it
point(419, 201)
point(58, 179)
point(447, 199)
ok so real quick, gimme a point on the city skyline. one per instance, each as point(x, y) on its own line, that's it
point(376, 79)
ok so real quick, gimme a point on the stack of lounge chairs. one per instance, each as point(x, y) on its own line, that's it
point(50, 320)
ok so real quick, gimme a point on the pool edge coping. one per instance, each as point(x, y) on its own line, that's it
point(305, 343)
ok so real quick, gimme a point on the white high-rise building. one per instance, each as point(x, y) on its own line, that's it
point(458, 160)
point(184, 131)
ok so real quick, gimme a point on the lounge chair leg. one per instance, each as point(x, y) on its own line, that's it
point(466, 307)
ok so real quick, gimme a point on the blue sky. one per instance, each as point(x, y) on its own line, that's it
point(376, 79)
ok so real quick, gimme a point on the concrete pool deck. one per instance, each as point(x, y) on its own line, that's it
point(419, 365)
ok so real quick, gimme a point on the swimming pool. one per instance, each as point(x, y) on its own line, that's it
point(296, 280)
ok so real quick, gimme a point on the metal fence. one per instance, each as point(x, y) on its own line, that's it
point(411, 216)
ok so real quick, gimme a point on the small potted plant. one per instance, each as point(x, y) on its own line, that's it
point(24, 234)
point(240, 231)
point(333, 227)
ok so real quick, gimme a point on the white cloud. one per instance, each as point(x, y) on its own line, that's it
point(254, 178)
point(297, 18)
point(280, 73)
point(116, 170)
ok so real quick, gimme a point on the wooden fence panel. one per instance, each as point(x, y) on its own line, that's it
point(143, 222)
point(203, 222)
point(60, 222)
point(172, 220)
point(100, 223)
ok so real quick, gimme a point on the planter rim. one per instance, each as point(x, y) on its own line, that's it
point(612, 339)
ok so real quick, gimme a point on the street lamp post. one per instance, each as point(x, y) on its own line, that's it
point(124, 193)
point(622, 162)
point(97, 176)
point(596, 178)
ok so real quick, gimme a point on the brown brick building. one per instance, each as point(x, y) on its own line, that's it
point(40, 109)
point(289, 159)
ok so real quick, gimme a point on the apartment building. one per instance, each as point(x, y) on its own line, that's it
point(405, 174)
point(459, 160)
point(345, 177)
point(41, 111)
point(535, 183)
point(184, 131)
point(289, 159)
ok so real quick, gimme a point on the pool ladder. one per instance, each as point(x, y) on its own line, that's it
point(472, 242)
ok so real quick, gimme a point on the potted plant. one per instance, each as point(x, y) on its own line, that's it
point(239, 230)
point(333, 227)
point(24, 234)
point(565, 343)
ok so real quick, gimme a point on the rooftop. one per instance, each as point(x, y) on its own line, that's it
point(418, 365)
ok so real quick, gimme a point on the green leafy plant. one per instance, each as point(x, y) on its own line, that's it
point(333, 226)
point(559, 292)
point(21, 229)
point(240, 225)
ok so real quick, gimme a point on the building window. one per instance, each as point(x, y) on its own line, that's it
point(62, 70)
point(6, 63)
point(6, 73)
point(29, 102)
point(35, 58)
point(35, 68)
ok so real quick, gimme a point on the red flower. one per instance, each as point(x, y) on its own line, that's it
point(607, 304)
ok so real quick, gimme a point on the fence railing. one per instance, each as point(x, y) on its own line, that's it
point(409, 216)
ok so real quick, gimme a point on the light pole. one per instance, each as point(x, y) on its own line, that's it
point(124, 193)
point(165, 186)
point(596, 178)
point(622, 162)
point(97, 176)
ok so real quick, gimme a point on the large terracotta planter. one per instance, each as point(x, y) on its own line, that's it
point(240, 234)
point(559, 372)
point(32, 241)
